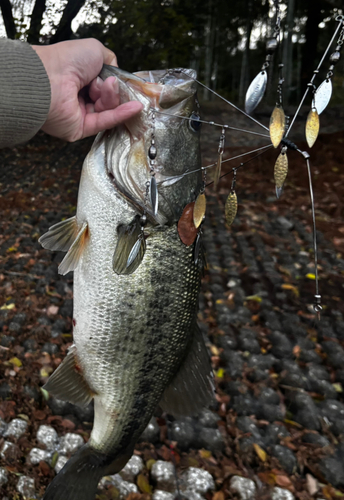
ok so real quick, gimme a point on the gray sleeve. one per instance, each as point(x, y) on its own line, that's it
point(24, 92)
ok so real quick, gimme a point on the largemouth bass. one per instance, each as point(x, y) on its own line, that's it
point(136, 284)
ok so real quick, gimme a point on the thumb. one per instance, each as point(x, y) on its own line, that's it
point(109, 57)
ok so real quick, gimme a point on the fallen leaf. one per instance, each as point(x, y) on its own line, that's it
point(219, 495)
point(312, 484)
point(283, 481)
point(143, 484)
point(16, 362)
point(52, 310)
point(260, 452)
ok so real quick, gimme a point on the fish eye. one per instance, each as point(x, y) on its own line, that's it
point(194, 122)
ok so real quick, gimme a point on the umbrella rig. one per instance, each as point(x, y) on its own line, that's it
point(189, 225)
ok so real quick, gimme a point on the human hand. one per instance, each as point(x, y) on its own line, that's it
point(73, 68)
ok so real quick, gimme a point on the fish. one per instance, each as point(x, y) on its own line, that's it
point(136, 342)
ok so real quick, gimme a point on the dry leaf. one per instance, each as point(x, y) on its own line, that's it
point(312, 484)
point(219, 495)
point(186, 227)
point(143, 484)
point(260, 452)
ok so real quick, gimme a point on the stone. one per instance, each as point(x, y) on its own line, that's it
point(285, 223)
point(59, 407)
point(183, 432)
point(243, 487)
point(6, 447)
point(6, 341)
point(333, 471)
point(48, 436)
point(163, 495)
point(247, 426)
point(5, 390)
point(30, 345)
point(14, 327)
point(3, 427)
point(61, 462)
point(271, 412)
point(163, 473)
point(208, 418)
point(285, 457)
point(125, 488)
point(234, 363)
point(132, 468)
point(309, 418)
point(198, 480)
point(315, 438)
point(274, 433)
point(211, 439)
point(50, 348)
point(3, 476)
point(282, 348)
point(70, 443)
point(269, 396)
point(151, 432)
point(16, 428)
point(281, 494)
point(192, 495)
point(84, 413)
point(31, 392)
point(245, 405)
point(36, 455)
point(26, 486)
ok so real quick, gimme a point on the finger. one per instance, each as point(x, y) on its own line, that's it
point(109, 57)
point(96, 122)
point(109, 96)
point(95, 89)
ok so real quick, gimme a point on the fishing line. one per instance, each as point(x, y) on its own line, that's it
point(215, 93)
point(340, 20)
point(212, 123)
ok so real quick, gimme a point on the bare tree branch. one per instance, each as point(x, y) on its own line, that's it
point(64, 30)
point(36, 21)
point(7, 14)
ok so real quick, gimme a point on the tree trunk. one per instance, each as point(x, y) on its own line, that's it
point(244, 75)
point(36, 22)
point(309, 56)
point(64, 29)
point(288, 52)
point(7, 14)
point(209, 49)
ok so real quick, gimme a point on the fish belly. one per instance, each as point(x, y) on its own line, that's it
point(131, 332)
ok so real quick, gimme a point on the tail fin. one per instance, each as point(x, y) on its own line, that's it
point(79, 478)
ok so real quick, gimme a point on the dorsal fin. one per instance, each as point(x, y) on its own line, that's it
point(74, 253)
point(192, 388)
point(60, 236)
point(68, 383)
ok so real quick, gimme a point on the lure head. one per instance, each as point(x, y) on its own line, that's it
point(167, 97)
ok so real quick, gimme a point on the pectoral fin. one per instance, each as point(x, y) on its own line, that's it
point(130, 249)
point(192, 388)
point(60, 236)
point(73, 255)
point(67, 382)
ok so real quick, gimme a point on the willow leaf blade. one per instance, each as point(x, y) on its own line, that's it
point(312, 127)
point(280, 172)
point(256, 92)
point(323, 96)
point(231, 207)
point(277, 126)
point(199, 209)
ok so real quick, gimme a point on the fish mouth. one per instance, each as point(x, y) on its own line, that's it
point(164, 88)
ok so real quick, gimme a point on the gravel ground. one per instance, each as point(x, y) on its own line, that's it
point(277, 428)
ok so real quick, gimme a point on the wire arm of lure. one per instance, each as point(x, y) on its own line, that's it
point(234, 169)
point(317, 297)
point(340, 20)
point(180, 177)
point(227, 127)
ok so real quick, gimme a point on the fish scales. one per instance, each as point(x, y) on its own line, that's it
point(136, 340)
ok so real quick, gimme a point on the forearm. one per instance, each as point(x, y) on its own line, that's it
point(24, 93)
